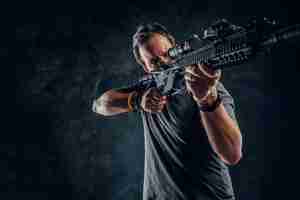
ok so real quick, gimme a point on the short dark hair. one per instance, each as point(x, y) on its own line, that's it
point(142, 35)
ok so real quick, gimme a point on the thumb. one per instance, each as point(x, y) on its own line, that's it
point(210, 72)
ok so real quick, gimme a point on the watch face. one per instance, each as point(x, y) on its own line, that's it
point(209, 107)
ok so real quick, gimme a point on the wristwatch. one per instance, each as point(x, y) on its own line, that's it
point(212, 107)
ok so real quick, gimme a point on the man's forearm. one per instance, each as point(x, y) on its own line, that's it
point(223, 134)
point(111, 103)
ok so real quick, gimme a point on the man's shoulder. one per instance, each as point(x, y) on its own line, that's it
point(222, 91)
point(220, 86)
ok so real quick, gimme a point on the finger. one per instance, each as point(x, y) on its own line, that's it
point(194, 70)
point(157, 101)
point(162, 102)
point(203, 69)
point(208, 71)
point(195, 86)
point(200, 85)
point(202, 79)
point(164, 98)
point(207, 67)
point(152, 95)
point(155, 108)
point(189, 87)
point(191, 90)
point(197, 73)
point(160, 107)
point(191, 77)
point(196, 93)
point(154, 100)
point(156, 94)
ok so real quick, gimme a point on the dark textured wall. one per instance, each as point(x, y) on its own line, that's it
point(66, 151)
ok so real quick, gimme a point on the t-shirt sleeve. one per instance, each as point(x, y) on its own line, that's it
point(227, 101)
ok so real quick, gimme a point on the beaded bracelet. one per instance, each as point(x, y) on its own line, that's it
point(134, 101)
point(129, 101)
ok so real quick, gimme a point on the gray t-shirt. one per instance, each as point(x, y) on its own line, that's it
point(180, 163)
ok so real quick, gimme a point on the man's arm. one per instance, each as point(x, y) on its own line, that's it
point(112, 102)
point(117, 101)
point(222, 130)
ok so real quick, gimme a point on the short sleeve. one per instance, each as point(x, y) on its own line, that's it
point(227, 100)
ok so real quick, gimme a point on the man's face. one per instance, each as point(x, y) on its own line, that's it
point(155, 52)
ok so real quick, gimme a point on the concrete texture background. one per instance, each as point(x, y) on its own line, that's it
point(66, 151)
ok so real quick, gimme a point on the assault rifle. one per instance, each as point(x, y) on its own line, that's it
point(221, 45)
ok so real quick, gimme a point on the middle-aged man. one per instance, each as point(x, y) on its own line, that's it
point(190, 138)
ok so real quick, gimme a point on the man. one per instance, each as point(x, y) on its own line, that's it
point(190, 138)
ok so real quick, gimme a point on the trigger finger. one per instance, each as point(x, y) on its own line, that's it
point(209, 72)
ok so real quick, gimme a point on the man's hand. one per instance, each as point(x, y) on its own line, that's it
point(200, 80)
point(153, 101)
